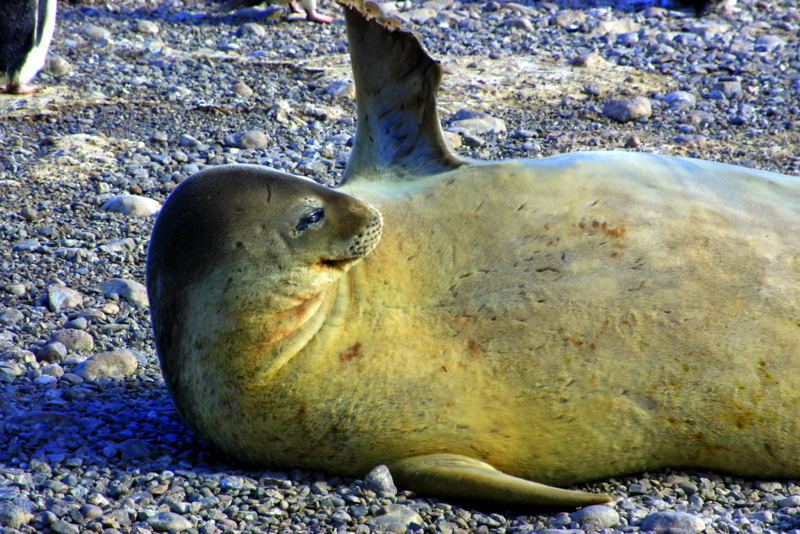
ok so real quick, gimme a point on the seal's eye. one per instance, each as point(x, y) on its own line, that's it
point(312, 218)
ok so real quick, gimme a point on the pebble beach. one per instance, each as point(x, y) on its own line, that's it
point(137, 95)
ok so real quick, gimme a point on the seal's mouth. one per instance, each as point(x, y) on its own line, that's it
point(340, 265)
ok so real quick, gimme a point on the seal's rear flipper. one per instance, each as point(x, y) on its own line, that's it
point(462, 477)
point(398, 131)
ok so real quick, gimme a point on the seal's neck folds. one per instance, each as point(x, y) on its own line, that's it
point(298, 330)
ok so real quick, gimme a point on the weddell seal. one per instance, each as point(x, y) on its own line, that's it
point(486, 330)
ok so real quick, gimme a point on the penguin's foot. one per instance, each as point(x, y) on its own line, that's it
point(316, 17)
point(22, 89)
point(310, 7)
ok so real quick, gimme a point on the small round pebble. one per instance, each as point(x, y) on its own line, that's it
point(15, 289)
point(11, 316)
point(79, 323)
point(790, 502)
point(187, 140)
point(633, 142)
point(673, 523)
point(247, 140)
point(768, 487)
point(63, 527)
point(147, 26)
point(519, 23)
point(691, 140)
point(242, 89)
point(52, 352)
point(94, 32)
point(680, 100)
point(57, 66)
point(251, 28)
point(341, 89)
point(169, 522)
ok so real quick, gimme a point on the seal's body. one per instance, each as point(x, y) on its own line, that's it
point(570, 322)
point(478, 326)
point(26, 29)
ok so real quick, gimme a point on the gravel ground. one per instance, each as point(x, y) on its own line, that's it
point(140, 94)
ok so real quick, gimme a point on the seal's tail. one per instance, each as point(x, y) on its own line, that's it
point(398, 130)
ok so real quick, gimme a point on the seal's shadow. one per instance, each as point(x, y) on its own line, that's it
point(126, 424)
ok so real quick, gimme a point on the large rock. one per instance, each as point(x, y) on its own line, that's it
point(380, 480)
point(73, 339)
point(104, 364)
point(14, 516)
point(60, 298)
point(133, 205)
point(130, 290)
point(398, 518)
point(596, 517)
point(628, 109)
point(672, 523)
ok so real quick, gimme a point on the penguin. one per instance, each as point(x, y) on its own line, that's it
point(309, 6)
point(26, 28)
point(700, 7)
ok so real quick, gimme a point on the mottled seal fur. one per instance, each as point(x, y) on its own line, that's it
point(487, 330)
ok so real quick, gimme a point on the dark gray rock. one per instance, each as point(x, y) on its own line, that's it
point(63, 527)
point(13, 515)
point(596, 517)
point(672, 523)
point(169, 522)
point(792, 501)
point(628, 109)
point(247, 140)
point(11, 316)
point(380, 480)
point(137, 449)
point(397, 518)
point(79, 323)
point(27, 245)
point(73, 339)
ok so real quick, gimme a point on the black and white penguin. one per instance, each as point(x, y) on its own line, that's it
point(701, 7)
point(309, 6)
point(26, 28)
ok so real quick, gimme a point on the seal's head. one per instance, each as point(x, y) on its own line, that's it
point(250, 253)
point(283, 230)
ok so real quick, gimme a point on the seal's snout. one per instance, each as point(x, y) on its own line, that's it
point(368, 237)
point(358, 228)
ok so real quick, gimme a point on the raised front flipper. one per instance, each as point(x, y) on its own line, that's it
point(462, 477)
point(398, 131)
